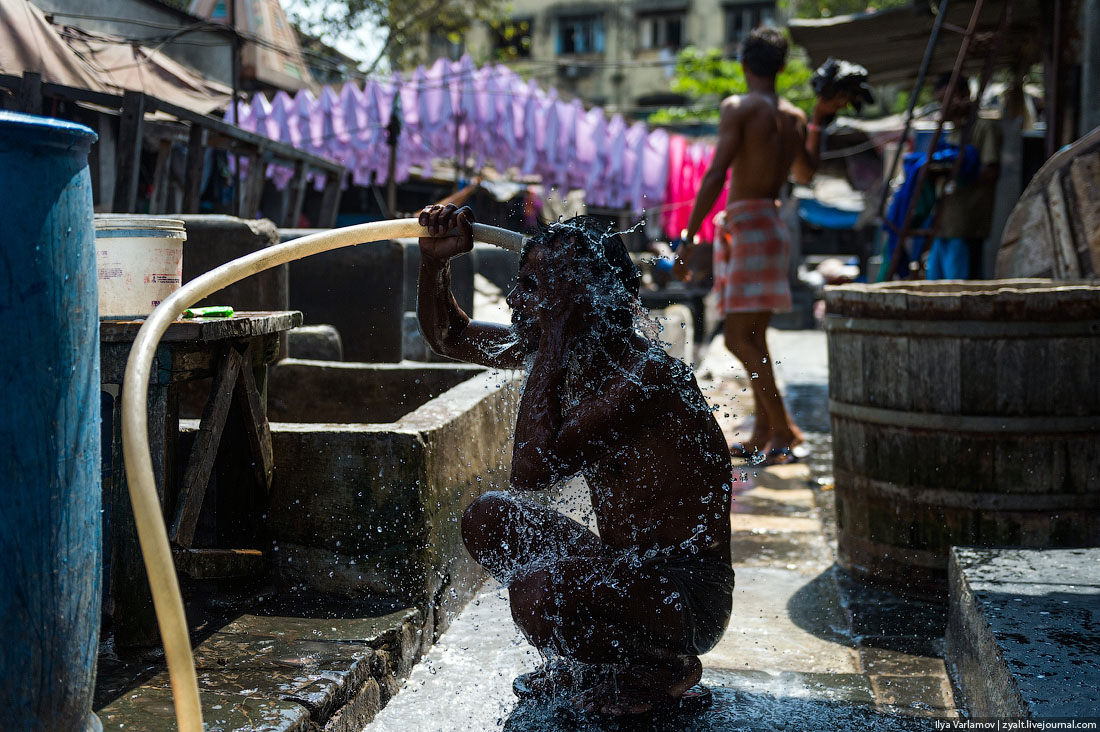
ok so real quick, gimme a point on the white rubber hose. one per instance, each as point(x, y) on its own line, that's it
point(152, 534)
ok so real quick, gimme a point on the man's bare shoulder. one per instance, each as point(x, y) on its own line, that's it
point(731, 107)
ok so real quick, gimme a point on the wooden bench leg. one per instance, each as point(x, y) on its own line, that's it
point(205, 449)
point(250, 403)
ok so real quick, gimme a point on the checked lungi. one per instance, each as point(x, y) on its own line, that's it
point(752, 252)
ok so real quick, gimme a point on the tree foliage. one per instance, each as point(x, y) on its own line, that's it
point(403, 25)
point(706, 77)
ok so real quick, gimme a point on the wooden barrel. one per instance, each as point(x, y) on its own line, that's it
point(963, 414)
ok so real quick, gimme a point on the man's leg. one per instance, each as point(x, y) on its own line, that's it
point(606, 612)
point(745, 335)
point(740, 341)
point(505, 534)
point(569, 597)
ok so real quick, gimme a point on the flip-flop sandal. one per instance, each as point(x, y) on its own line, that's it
point(781, 456)
point(696, 699)
point(738, 450)
point(522, 688)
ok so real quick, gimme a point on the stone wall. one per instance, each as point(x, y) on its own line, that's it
point(360, 290)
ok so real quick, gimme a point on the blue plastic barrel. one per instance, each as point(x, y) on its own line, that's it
point(50, 536)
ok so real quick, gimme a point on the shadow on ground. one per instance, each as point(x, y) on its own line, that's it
point(731, 711)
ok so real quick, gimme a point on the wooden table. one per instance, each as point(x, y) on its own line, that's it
point(234, 353)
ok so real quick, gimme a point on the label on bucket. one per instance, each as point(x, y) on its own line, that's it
point(137, 273)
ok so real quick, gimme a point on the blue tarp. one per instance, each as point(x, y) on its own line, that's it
point(814, 212)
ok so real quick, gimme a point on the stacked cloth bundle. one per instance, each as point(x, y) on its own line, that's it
point(486, 115)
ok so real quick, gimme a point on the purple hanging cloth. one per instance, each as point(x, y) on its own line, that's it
point(655, 168)
point(613, 173)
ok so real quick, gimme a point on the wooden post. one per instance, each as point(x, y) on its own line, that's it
point(252, 188)
point(192, 179)
point(393, 134)
point(250, 403)
point(130, 126)
point(330, 201)
point(298, 197)
point(158, 202)
point(30, 93)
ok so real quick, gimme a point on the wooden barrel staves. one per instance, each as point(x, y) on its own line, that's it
point(963, 414)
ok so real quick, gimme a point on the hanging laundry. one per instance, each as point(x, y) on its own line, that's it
point(486, 116)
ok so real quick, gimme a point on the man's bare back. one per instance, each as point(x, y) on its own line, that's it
point(772, 136)
point(664, 485)
point(653, 590)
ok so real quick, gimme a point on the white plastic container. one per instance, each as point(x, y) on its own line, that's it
point(140, 262)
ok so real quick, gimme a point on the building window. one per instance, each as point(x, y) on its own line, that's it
point(580, 34)
point(511, 38)
point(742, 18)
point(661, 30)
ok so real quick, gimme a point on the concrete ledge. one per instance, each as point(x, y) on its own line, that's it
point(301, 390)
point(1022, 634)
point(315, 342)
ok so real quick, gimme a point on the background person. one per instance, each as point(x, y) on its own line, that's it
point(762, 139)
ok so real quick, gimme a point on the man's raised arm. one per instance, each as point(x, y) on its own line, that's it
point(448, 330)
point(808, 160)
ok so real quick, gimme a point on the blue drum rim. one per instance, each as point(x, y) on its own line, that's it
point(45, 131)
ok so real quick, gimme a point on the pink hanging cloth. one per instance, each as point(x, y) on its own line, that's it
point(687, 164)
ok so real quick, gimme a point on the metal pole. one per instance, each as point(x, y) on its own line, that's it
point(949, 94)
point(1090, 80)
point(987, 75)
point(925, 62)
point(236, 74)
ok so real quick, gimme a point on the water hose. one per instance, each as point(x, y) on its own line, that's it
point(152, 534)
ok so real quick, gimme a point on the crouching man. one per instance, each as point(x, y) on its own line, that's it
point(626, 614)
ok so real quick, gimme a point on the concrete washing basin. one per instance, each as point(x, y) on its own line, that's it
point(374, 465)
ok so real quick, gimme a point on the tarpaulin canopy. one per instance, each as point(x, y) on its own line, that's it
point(891, 43)
point(488, 115)
point(270, 53)
point(72, 57)
point(29, 43)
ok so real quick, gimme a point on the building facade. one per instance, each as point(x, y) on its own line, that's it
point(619, 54)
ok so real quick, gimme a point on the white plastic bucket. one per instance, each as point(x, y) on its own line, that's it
point(140, 262)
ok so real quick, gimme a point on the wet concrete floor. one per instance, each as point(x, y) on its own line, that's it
point(806, 649)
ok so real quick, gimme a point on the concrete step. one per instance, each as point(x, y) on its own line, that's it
point(284, 673)
point(1022, 634)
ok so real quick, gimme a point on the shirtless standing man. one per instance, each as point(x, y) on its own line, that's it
point(628, 611)
point(763, 139)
